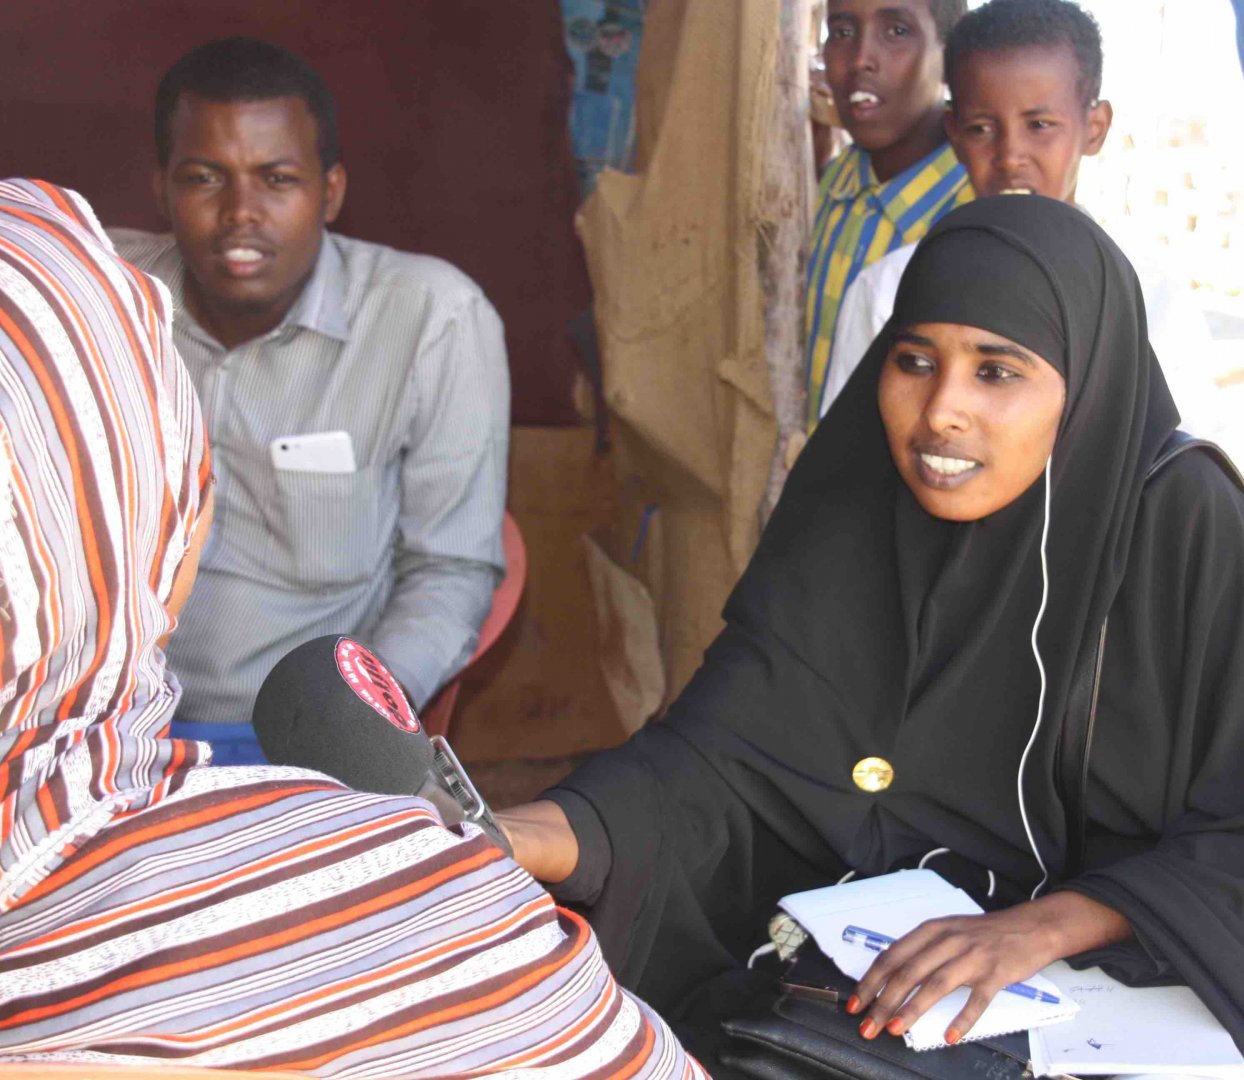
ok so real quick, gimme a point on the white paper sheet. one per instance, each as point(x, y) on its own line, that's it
point(1120, 1029)
point(894, 904)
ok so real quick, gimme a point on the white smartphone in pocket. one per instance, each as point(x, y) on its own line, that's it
point(318, 451)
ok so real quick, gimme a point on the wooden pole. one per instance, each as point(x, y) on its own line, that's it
point(785, 220)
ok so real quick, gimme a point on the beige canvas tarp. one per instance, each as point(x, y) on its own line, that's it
point(675, 252)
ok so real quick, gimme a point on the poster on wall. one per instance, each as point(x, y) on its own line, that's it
point(603, 38)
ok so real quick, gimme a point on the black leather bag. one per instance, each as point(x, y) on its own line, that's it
point(807, 1037)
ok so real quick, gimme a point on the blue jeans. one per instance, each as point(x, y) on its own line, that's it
point(232, 744)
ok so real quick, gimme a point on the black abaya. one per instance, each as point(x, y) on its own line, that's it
point(863, 626)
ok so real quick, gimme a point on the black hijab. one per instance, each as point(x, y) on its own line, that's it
point(958, 600)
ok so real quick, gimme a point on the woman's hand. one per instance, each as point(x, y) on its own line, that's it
point(544, 843)
point(982, 952)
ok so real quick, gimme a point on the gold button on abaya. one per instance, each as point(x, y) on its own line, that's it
point(873, 774)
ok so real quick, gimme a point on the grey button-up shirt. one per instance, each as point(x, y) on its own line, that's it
point(405, 354)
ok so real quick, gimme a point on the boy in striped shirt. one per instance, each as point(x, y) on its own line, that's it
point(883, 61)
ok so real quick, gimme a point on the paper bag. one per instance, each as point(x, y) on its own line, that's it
point(630, 652)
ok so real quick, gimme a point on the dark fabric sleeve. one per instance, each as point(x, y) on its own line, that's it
point(586, 881)
point(636, 791)
point(702, 844)
point(1185, 896)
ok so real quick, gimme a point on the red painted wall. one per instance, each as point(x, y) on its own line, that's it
point(453, 124)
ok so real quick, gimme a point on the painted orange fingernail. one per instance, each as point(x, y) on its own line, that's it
point(953, 1036)
point(853, 1004)
point(895, 1026)
point(868, 1029)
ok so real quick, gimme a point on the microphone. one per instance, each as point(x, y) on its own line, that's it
point(332, 705)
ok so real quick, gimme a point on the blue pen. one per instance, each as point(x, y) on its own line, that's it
point(875, 942)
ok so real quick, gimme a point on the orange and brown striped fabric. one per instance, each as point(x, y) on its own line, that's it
point(156, 911)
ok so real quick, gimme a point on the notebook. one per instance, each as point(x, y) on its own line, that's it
point(1163, 1031)
point(894, 904)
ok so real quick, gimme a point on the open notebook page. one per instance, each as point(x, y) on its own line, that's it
point(1122, 1029)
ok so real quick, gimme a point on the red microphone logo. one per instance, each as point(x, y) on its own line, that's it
point(374, 684)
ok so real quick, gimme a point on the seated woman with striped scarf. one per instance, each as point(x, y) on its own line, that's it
point(153, 910)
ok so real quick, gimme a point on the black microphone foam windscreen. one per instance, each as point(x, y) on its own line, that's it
point(332, 706)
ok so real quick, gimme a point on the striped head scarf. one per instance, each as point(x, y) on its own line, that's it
point(103, 469)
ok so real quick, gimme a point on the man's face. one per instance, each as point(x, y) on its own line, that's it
point(247, 199)
point(883, 61)
point(1019, 124)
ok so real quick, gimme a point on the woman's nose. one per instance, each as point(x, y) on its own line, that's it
point(948, 407)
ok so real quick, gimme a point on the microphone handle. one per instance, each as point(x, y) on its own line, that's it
point(449, 789)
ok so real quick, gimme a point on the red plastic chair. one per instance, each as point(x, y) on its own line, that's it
point(438, 713)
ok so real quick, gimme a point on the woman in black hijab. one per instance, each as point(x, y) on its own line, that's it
point(905, 647)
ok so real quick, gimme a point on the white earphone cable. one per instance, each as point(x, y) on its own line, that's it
point(1036, 728)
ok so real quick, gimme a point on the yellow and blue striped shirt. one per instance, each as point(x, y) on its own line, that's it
point(858, 220)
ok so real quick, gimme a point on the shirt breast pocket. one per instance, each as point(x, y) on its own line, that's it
point(330, 525)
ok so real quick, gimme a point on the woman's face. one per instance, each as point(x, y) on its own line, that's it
point(970, 416)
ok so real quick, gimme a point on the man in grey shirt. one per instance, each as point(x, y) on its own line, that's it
point(357, 398)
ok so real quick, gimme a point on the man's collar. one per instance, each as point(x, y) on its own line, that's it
point(321, 306)
point(851, 173)
point(171, 269)
point(848, 174)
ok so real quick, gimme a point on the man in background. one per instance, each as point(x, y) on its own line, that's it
point(356, 397)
